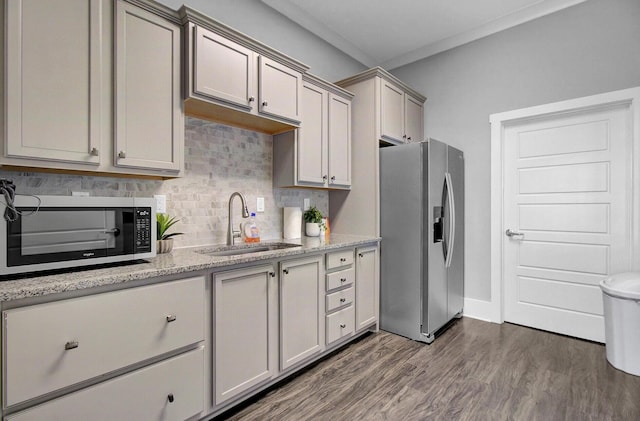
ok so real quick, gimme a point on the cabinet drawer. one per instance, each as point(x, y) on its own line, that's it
point(168, 390)
point(340, 324)
point(340, 279)
point(53, 345)
point(339, 299)
point(339, 258)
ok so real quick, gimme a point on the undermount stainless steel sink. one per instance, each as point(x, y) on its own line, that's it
point(245, 249)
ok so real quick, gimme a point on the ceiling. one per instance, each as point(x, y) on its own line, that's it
point(392, 33)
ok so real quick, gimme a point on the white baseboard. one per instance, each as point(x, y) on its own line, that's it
point(479, 309)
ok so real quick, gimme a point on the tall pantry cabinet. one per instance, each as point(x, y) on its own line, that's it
point(385, 111)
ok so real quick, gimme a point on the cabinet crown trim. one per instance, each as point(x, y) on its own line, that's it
point(157, 9)
point(189, 15)
point(331, 87)
point(380, 72)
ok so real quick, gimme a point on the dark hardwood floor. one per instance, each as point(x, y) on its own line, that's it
point(474, 371)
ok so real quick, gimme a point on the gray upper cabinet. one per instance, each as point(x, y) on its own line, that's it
point(149, 127)
point(318, 154)
point(234, 79)
point(93, 86)
point(401, 115)
point(56, 59)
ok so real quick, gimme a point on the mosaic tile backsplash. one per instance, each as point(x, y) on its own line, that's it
point(219, 160)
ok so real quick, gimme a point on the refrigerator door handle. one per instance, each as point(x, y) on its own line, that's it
point(452, 221)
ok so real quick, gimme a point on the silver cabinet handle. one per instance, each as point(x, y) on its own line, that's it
point(409, 138)
point(510, 233)
point(94, 152)
point(264, 103)
point(285, 271)
point(342, 259)
point(273, 274)
point(360, 255)
point(171, 318)
point(343, 280)
point(251, 99)
point(342, 300)
point(333, 178)
point(122, 154)
point(342, 325)
point(71, 345)
point(324, 177)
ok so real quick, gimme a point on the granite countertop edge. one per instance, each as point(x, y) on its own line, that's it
point(179, 261)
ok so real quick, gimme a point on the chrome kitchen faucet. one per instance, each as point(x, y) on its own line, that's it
point(231, 233)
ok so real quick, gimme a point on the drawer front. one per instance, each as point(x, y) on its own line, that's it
point(338, 259)
point(53, 345)
point(169, 390)
point(339, 299)
point(340, 324)
point(340, 279)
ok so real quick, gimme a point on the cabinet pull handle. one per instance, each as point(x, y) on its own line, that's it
point(94, 152)
point(264, 103)
point(343, 280)
point(404, 136)
point(360, 255)
point(71, 345)
point(342, 300)
point(333, 178)
point(170, 397)
point(122, 154)
point(171, 318)
point(285, 271)
point(342, 325)
point(324, 177)
point(342, 259)
point(409, 138)
point(273, 274)
point(251, 99)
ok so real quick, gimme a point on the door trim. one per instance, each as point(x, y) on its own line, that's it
point(499, 121)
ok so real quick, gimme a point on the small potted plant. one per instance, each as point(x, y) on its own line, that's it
point(313, 218)
point(163, 223)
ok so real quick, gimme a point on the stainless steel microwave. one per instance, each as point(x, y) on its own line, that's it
point(59, 232)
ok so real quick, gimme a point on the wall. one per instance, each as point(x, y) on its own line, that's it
point(583, 50)
point(218, 161)
point(261, 22)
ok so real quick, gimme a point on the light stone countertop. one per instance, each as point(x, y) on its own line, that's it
point(183, 260)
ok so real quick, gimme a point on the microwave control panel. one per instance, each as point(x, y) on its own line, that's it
point(143, 229)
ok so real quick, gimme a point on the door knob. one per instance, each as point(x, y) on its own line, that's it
point(510, 233)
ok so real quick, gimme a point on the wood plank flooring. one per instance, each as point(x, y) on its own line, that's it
point(474, 371)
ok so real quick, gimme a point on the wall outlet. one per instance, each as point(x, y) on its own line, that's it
point(80, 193)
point(161, 203)
point(307, 203)
point(260, 204)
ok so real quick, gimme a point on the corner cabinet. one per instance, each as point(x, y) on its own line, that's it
point(245, 330)
point(318, 154)
point(236, 80)
point(92, 86)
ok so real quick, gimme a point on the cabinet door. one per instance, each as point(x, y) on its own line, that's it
point(392, 113)
point(301, 295)
point(223, 70)
point(279, 90)
point(312, 137)
point(149, 127)
point(413, 119)
point(339, 142)
point(366, 286)
point(55, 58)
point(245, 334)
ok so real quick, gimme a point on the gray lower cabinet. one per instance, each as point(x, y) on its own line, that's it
point(246, 329)
point(301, 313)
point(366, 286)
point(339, 306)
point(53, 349)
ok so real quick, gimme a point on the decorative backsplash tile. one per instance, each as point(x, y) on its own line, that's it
point(219, 160)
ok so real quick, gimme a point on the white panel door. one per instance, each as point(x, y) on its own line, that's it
point(312, 137)
point(567, 196)
point(339, 142)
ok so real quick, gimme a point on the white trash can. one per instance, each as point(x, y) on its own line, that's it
point(621, 295)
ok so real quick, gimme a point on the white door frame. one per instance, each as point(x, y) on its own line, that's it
point(499, 121)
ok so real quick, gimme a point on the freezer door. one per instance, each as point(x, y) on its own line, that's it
point(401, 254)
point(455, 271)
point(434, 311)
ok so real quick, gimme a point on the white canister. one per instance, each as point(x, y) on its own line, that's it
point(292, 223)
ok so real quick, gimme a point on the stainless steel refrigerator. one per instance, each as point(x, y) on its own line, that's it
point(422, 229)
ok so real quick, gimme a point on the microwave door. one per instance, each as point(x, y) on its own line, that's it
point(70, 233)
